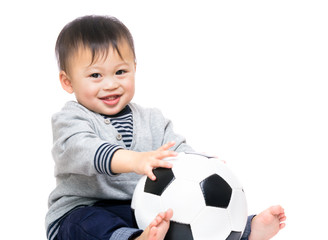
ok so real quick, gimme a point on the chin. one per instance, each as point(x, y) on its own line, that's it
point(112, 111)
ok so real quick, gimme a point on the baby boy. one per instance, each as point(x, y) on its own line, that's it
point(103, 143)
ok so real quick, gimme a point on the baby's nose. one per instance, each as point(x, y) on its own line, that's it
point(110, 84)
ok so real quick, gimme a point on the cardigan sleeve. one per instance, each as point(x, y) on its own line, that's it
point(77, 149)
point(180, 141)
point(165, 132)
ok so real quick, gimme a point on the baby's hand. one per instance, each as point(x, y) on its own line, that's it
point(125, 161)
point(147, 161)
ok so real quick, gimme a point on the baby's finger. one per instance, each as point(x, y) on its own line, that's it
point(151, 175)
point(158, 164)
point(162, 164)
point(166, 146)
point(166, 154)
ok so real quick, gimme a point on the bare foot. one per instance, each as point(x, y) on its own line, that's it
point(267, 223)
point(158, 228)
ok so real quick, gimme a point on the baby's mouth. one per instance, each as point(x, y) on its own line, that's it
point(111, 100)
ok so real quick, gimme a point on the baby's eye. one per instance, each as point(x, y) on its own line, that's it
point(95, 75)
point(120, 72)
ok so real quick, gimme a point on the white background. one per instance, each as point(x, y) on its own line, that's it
point(245, 80)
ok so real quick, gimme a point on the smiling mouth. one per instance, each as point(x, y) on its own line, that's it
point(110, 97)
point(111, 100)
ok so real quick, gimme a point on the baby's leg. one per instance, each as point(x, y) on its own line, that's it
point(267, 223)
point(158, 228)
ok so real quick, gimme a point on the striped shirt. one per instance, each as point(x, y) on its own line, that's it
point(123, 123)
point(124, 126)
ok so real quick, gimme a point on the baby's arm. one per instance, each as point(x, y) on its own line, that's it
point(124, 161)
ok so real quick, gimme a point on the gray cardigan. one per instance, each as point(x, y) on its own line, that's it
point(77, 134)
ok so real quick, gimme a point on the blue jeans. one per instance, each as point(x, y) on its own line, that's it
point(104, 220)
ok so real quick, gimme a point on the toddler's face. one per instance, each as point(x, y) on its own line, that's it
point(107, 85)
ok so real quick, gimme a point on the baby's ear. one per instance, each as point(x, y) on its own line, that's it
point(65, 82)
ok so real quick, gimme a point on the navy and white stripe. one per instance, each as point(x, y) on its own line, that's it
point(103, 157)
point(53, 229)
point(124, 126)
point(123, 123)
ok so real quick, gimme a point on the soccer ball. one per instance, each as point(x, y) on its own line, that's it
point(208, 202)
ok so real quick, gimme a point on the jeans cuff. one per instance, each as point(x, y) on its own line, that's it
point(125, 233)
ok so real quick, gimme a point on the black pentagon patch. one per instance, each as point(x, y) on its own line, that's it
point(179, 231)
point(164, 176)
point(234, 236)
point(217, 192)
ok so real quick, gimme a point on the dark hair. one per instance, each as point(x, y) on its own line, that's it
point(97, 33)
